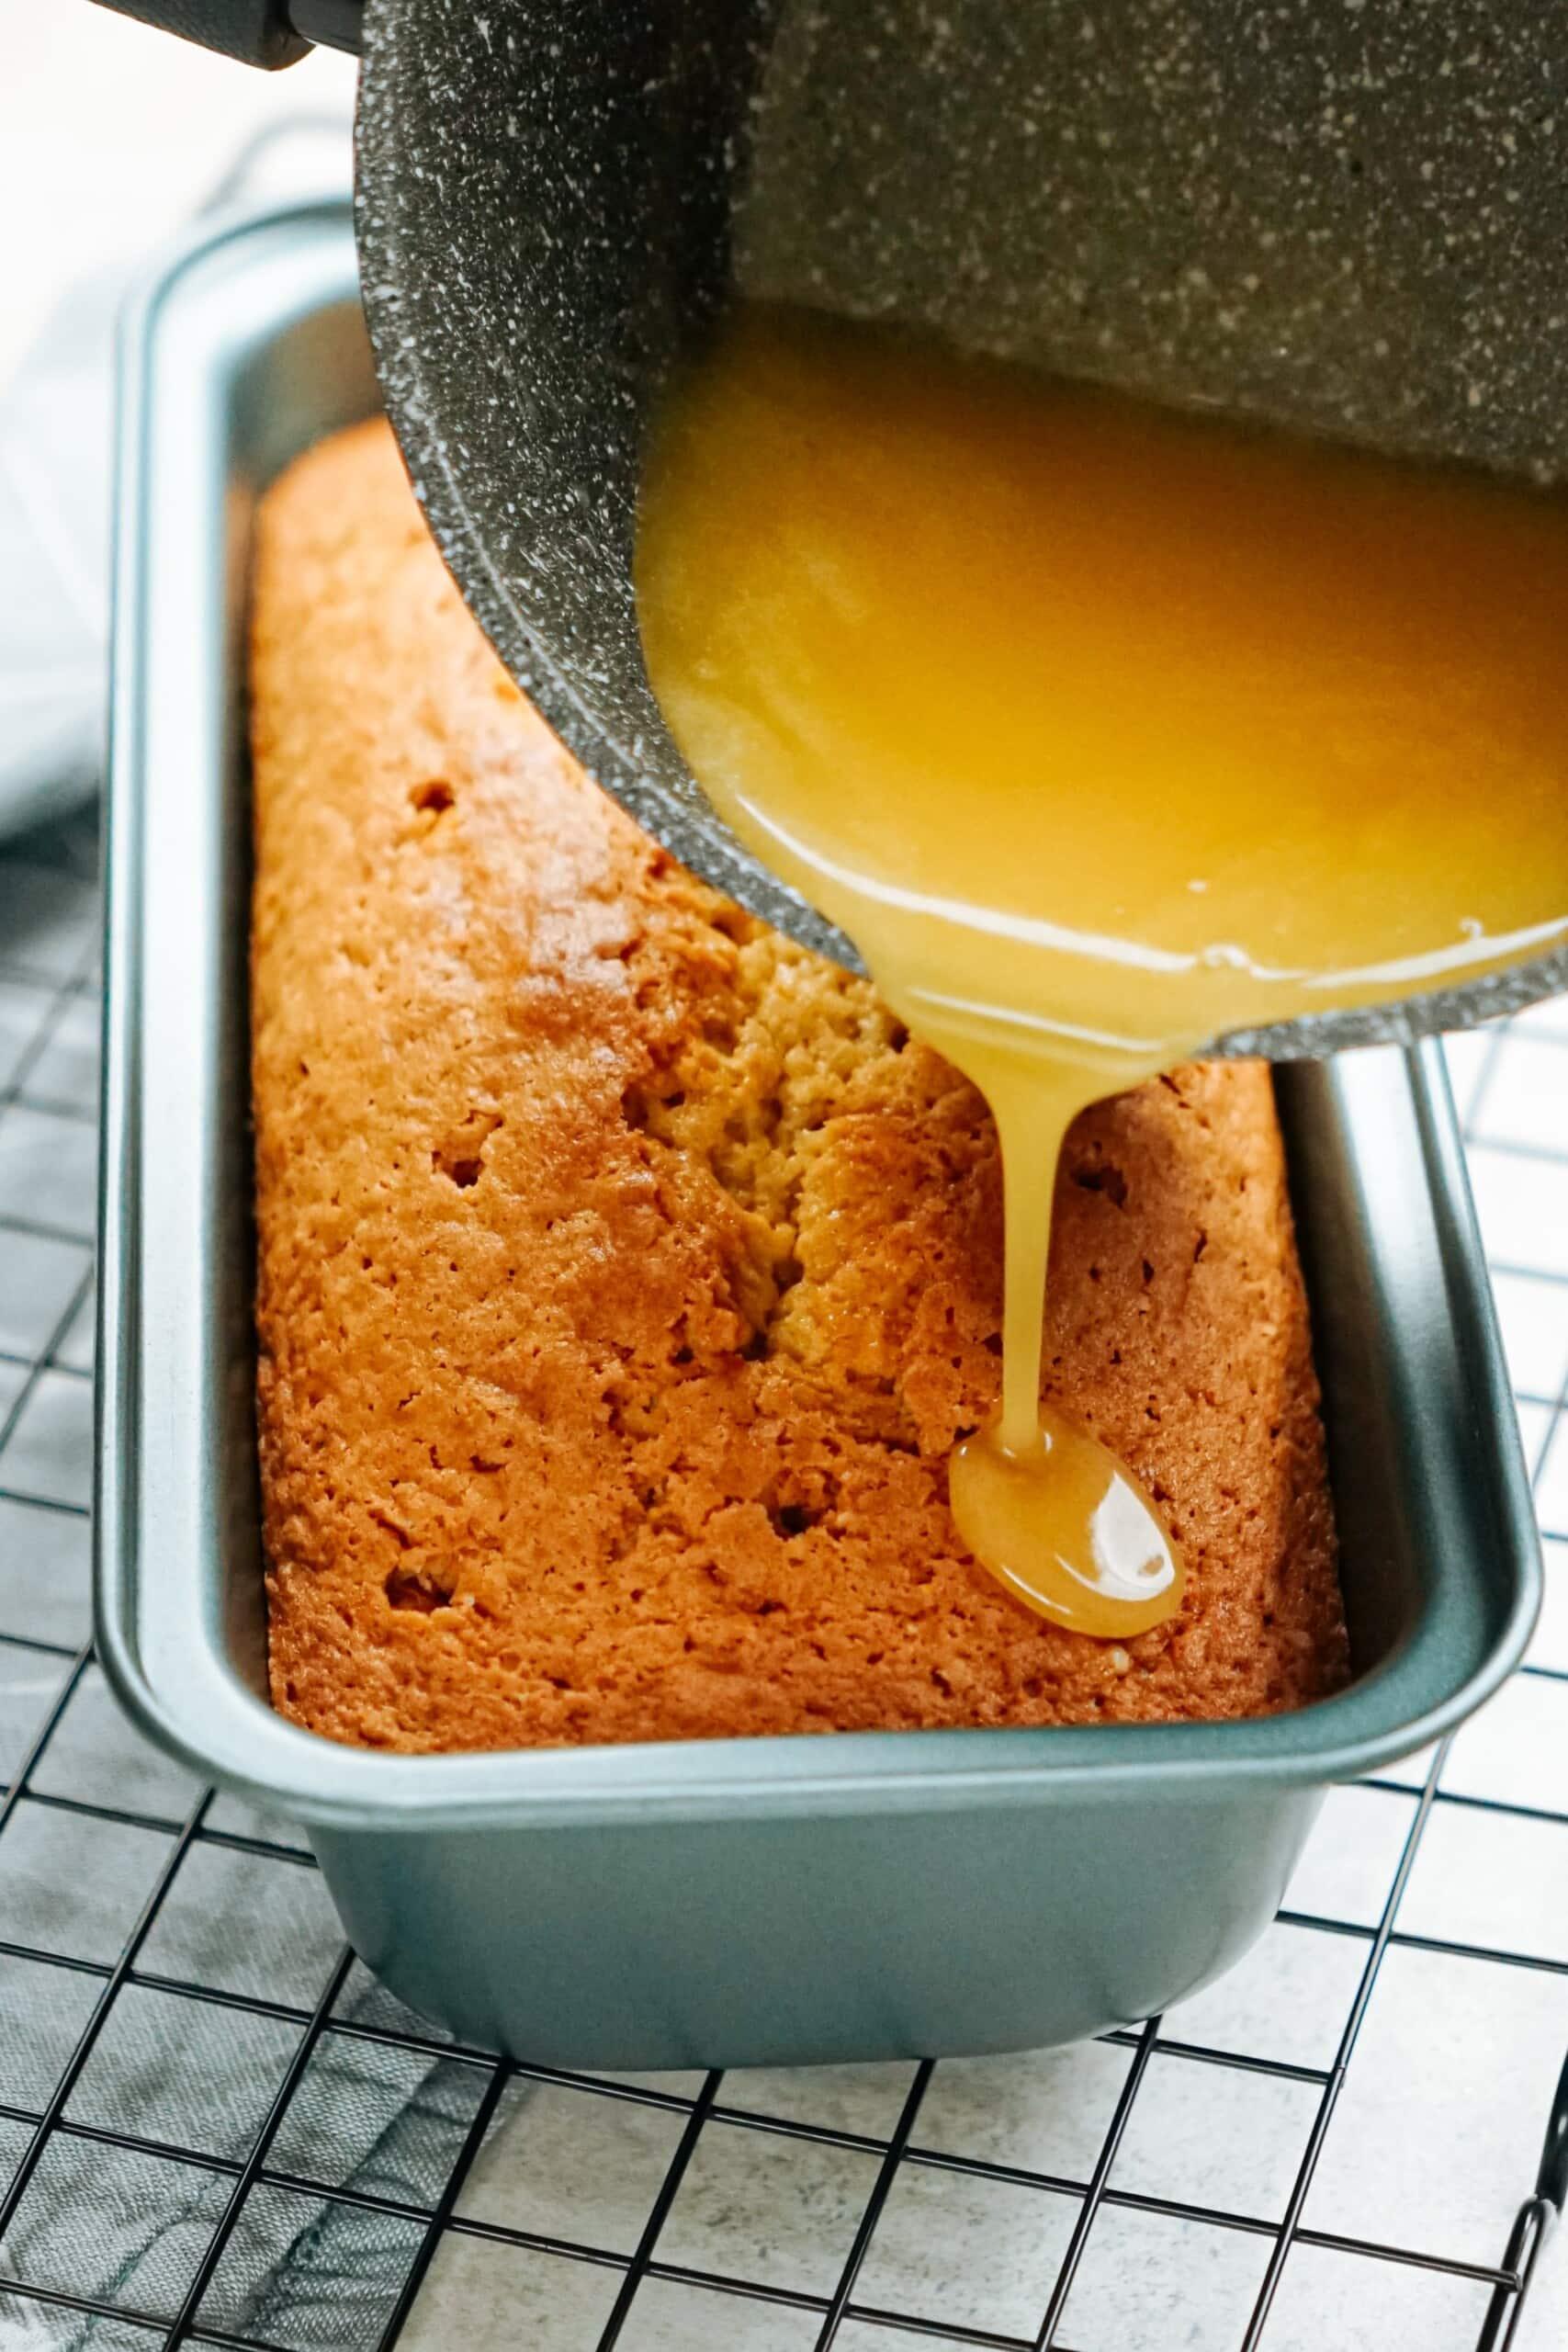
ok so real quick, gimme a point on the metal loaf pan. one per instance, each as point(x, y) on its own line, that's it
point(735, 1901)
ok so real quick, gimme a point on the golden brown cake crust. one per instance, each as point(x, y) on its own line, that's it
point(626, 1274)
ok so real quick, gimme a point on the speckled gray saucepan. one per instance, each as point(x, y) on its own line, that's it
point(1347, 217)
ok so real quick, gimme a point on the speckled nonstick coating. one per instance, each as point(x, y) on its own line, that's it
point(1350, 218)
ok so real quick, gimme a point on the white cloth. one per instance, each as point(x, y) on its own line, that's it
point(56, 444)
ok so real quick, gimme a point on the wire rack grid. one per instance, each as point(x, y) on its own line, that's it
point(215, 2127)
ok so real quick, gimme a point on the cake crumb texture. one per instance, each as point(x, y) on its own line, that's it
point(627, 1273)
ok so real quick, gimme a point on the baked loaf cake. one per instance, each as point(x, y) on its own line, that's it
point(627, 1273)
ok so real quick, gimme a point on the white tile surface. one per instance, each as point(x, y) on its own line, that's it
point(675, 2083)
point(1493, 1880)
point(1287, 2000)
point(1435, 2137)
point(1522, 1204)
point(1548, 1019)
point(1517, 1748)
point(1468, 1053)
point(1526, 1099)
point(1411, 1771)
point(1352, 1855)
point(572, 2164)
point(1544, 2327)
point(754, 2205)
point(1329, 2301)
point(967, 2252)
point(1536, 1425)
point(1549, 1646)
point(1201, 2134)
point(668, 2317)
point(1534, 1320)
point(481, 2297)
point(865, 2099)
point(1551, 1477)
point(1047, 2112)
point(1181, 2283)
point(862, 2335)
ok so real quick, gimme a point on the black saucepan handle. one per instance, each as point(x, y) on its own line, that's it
point(268, 33)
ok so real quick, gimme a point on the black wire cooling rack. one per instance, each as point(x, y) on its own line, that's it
point(216, 2129)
